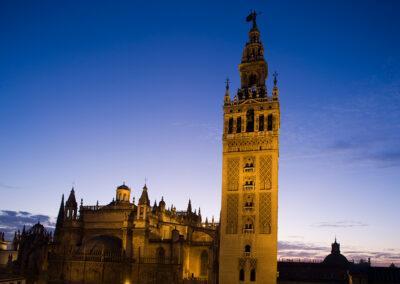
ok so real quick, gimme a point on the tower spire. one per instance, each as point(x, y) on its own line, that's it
point(227, 97)
point(60, 217)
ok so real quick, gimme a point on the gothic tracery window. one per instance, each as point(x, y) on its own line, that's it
point(204, 263)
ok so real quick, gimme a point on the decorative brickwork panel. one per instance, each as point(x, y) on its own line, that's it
point(265, 213)
point(265, 172)
point(253, 263)
point(242, 263)
point(247, 144)
point(232, 213)
point(233, 173)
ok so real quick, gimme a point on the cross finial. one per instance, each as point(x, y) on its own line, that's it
point(275, 78)
point(227, 83)
point(145, 180)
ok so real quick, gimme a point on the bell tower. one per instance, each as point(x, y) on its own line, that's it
point(249, 211)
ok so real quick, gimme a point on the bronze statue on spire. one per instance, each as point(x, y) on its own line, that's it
point(252, 17)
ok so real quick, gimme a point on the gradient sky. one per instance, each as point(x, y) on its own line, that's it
point(97, 93)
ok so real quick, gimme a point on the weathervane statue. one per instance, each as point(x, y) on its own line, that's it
point(252, 17)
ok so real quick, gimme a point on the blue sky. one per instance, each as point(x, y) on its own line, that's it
point(97, 94)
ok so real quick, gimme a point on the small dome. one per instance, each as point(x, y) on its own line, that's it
point(123, 186)
point(37, 228)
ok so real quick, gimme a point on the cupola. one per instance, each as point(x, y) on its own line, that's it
point(123, 193)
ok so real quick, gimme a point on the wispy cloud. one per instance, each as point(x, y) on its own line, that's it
point(340, 224)
point(8, 186)
point(360, 129)
point(310, 251)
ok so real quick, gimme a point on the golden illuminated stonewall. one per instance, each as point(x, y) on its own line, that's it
point(249, 213)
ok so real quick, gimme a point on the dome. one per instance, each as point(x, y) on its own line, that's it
point(37, 228)
point(103, 243)
point(335, 258)
point(123, 186)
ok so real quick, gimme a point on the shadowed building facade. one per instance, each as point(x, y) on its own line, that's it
point(248, 232)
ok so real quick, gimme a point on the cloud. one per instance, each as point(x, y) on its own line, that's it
point(288, 245)
point(340, 224)
point(10, 221)
point(8, 186)
point(384, 159)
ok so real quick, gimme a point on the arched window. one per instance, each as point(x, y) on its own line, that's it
point(252, 80)
point(253, 275)
point(247, 250)
point(270, 122)
point(241, 275)
point(160, 254)
point(239, 125)
point(230, 125)
point(261, 123)
point(204, 263)
point(250, 120)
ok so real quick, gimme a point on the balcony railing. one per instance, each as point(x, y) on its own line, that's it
point(248, 186)
point(248, 169)
point(248, 231)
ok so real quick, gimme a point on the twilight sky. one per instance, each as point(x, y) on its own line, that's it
point(97, 93)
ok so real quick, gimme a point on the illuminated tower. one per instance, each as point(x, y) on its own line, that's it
point(248, 244)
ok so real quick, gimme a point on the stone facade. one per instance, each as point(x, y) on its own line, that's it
point(124, 242)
